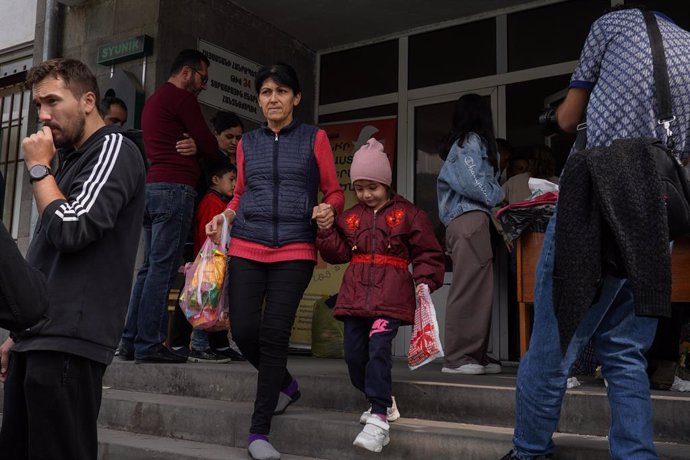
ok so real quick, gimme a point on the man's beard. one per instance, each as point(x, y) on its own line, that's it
point(192, 88)
point(69, 139)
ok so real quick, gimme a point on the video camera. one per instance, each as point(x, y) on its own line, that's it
point(548, 122)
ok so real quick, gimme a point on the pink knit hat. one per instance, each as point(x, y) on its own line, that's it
point(370, 162)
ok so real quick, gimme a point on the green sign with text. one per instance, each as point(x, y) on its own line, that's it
point(125, 50)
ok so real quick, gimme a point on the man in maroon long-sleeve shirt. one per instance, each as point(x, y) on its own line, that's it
point(170, 114)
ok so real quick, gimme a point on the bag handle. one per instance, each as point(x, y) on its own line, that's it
point(208, 248)
point(224, 233)
point(664, 109)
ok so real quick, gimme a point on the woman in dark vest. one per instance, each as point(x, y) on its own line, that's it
point(280, 168)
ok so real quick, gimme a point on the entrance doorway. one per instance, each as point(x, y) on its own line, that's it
point(431, 120)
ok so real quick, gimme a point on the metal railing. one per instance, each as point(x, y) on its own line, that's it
point(14, 111)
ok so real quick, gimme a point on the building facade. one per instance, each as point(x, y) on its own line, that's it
point(517, 54)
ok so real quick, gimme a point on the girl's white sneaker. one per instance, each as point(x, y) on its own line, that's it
point(374, 436)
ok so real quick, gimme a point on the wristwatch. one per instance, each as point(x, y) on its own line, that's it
point(38, 172)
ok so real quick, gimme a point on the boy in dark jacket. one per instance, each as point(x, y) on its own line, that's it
point(380, 237)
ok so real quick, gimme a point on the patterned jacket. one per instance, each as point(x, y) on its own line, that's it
point(380, 246)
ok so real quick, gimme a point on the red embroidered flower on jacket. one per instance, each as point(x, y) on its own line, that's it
point(352, 222)
point(395, 217)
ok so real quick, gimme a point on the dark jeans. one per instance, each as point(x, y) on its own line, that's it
point(263, 301)
point(51, 405)
point(368, 345)
point(167, 221)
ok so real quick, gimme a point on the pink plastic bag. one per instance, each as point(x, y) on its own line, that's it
point(425, 344)
point(203, 297)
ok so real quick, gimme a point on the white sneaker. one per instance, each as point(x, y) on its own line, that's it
point(493, 368)
point(392, 413)
point(573, 382)
point(374, 436)
point(678, 385)
point(468, 369)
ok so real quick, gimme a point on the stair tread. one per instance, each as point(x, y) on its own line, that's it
point(345, 421)
point(155, 447)
point(307, 367)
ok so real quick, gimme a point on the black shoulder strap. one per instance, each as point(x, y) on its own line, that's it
point(581, 139)
point(664, 111)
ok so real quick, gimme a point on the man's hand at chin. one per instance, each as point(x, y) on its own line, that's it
point(39, 148)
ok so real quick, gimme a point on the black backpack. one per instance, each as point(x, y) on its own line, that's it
point(675, 189)
point(674, 177)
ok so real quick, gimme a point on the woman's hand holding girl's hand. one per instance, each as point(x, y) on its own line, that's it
point(324, 216)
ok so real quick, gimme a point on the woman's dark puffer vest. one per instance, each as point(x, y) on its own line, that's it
point(281, 185)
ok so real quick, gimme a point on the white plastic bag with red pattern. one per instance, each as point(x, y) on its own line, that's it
point(425, 344)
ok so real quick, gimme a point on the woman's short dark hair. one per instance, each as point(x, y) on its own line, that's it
point(281, 73)
point(225, 120)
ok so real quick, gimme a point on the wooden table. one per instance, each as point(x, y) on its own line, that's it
point(528, 249)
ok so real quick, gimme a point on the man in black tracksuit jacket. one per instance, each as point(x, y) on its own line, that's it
point(85, 244)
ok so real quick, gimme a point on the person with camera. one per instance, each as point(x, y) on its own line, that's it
point(614, 86)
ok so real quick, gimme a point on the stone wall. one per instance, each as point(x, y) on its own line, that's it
point(226, 25)
point(175, 25)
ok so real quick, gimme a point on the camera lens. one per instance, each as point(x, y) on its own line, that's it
point(548, 118)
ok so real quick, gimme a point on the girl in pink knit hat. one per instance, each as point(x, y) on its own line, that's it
point(380, 236)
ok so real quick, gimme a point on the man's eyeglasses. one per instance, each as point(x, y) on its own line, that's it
point(204, 78)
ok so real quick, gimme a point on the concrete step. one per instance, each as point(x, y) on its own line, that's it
point(326, 434)
point(425, 393)
point(121, 445)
